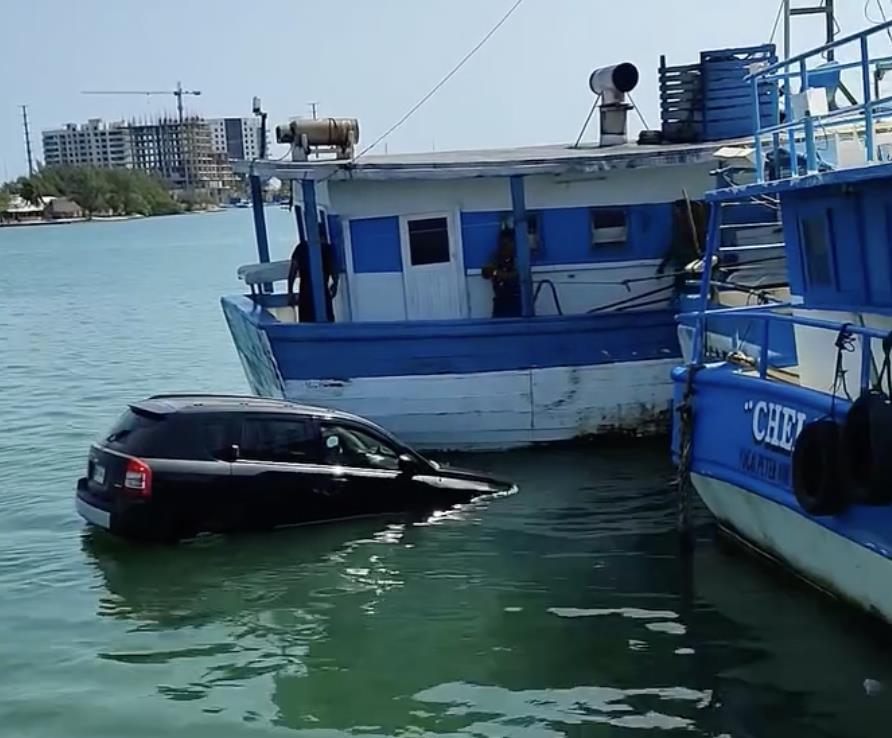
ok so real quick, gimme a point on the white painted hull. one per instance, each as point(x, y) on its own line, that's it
point(827, 559)
point(506, 409)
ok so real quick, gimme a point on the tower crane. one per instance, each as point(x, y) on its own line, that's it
point(177, 93)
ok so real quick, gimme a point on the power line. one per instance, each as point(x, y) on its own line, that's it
point(777, 19)
point(885, 17)
point(443, 81)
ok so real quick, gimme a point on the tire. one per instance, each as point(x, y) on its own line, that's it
point(857, 450)
point(867, 449)
point(817, 478)
point(879, 488)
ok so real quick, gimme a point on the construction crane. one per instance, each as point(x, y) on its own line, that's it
point(177, 93)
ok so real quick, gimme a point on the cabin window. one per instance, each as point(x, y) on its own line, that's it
point(609, 227)
point(428, 241)
point(816, 250)
point(534, 229)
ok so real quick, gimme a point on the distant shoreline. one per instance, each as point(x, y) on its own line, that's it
point(99, 219)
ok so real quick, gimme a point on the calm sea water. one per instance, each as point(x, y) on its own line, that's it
point(562, 610)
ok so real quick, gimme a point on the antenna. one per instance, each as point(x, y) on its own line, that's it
point(313, 106)
point(27, 140)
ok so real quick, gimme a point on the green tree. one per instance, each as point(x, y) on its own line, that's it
point(120, 191)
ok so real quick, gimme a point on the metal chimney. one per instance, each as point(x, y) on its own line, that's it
point(611, 84)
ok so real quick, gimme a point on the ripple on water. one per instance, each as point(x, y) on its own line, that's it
point(552, 711)
point(515, 607)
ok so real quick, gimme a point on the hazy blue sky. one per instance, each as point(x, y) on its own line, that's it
point(365, 58)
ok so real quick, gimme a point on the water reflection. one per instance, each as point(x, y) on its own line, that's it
point(564, 610)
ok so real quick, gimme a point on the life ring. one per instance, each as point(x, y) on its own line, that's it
point(817, 481)
point(867, 449)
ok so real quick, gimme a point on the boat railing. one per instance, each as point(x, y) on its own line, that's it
point(767, 315)
point(814, 75)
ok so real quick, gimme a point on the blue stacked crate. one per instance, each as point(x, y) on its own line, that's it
point(681, 102)
point(727, 96)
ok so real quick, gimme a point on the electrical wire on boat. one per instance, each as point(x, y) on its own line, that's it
point(873, 21)
point(632, 301)
point(443, 81)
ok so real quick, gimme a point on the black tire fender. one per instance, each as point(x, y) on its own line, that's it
point(817, 478)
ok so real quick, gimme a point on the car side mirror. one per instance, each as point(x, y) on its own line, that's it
point(408, 464)
point(230, 453)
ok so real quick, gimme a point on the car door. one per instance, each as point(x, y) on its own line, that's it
point(277, 473)
point(364, 470)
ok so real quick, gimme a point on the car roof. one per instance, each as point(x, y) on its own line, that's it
point(241, 404)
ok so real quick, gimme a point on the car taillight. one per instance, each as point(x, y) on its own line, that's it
point(138, 478)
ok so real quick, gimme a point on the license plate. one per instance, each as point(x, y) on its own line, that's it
point(98, 474)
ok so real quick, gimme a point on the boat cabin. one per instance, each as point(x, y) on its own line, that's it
point(413, 235)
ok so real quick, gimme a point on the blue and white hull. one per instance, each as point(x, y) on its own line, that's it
point(854, 568)
point(744, 430)
point(470, 385)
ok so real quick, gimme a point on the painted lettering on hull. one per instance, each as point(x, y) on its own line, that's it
point(774, 425)
point(767, 467)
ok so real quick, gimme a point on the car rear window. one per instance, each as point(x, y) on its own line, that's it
point(134, 432)
point(169, 437)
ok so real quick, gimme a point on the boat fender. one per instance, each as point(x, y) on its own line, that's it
point(857, 446)
point(867, 448)
point(817, 481)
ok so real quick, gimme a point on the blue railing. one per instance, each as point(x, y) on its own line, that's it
point(798, 67)
point(767, 317)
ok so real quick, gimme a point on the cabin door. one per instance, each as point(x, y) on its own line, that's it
point(433, 271)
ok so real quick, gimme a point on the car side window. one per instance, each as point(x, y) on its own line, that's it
point(346, 446)
point(279, 439)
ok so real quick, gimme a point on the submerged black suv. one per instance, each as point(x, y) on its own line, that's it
point(176, 465)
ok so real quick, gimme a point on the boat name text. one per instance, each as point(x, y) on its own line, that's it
point(775, 425)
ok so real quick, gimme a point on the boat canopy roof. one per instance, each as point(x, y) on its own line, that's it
point(545, 159)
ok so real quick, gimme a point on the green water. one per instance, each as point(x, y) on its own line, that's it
point(562, 610)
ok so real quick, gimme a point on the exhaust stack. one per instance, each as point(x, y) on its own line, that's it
point(612, 84)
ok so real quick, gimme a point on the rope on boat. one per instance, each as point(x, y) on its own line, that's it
point(684, 485)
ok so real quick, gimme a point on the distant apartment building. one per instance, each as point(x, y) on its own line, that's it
point(182, 154)
point(95, 144)
point(237, 138)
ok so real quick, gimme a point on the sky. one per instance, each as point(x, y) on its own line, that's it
point(369, 59)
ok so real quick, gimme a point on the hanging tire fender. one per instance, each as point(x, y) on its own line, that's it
point(817, 477)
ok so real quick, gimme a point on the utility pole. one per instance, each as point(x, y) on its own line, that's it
point(27, 140)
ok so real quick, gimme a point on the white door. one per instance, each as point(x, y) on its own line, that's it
point(433, 273)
